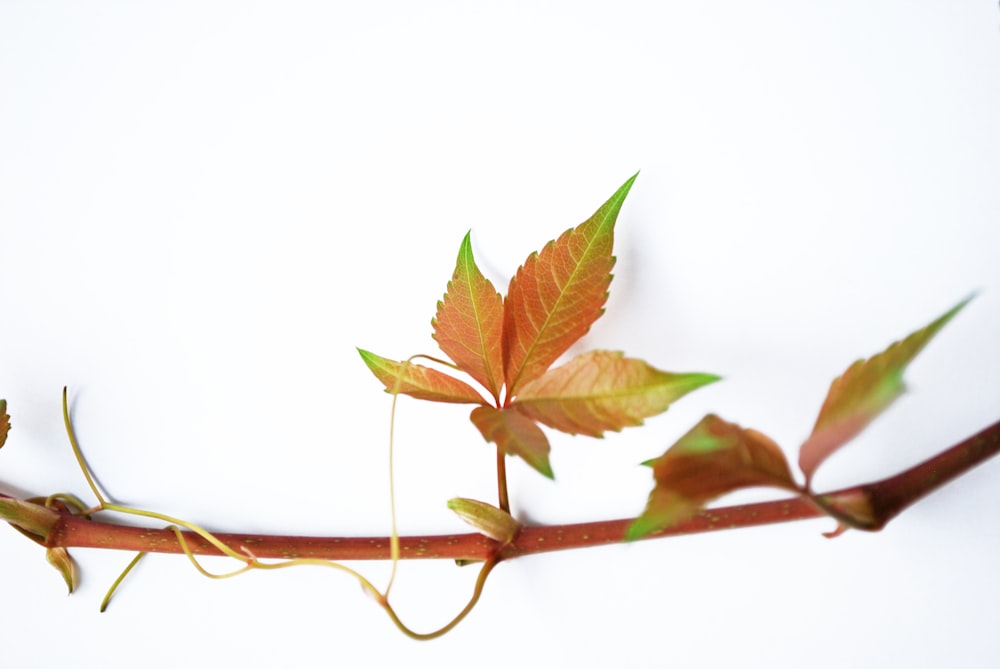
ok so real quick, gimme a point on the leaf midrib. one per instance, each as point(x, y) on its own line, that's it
point(468, 261)
point(562, 293)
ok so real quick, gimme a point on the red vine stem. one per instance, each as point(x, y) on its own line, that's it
point(886, 498)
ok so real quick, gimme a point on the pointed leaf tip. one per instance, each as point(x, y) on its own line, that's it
point(863, 391)
point(627, 186)
point(641, 527)
point(60, 558)
point(558, 293)
point(468, 325)
point(424, 383)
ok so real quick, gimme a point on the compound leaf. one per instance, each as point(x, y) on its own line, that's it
point(515, 434)
point(603, 390)
point(862, 392)
point(419, 381)
point(715, 457)
point(557, 294)
point(469, 322)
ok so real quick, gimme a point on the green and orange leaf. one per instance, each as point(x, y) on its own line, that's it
point(424, 383)
point(515, 434)
point(469, 323)
point(558, 293)
point(862, 392)
point(603, 390)
point(715, 457)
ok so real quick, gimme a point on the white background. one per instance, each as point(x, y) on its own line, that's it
point(204, 208)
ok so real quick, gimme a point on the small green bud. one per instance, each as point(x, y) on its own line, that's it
point(495, 523)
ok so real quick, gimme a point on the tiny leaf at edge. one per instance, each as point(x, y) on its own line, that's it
point(4, 422)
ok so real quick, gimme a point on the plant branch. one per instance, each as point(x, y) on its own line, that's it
point(885, 499)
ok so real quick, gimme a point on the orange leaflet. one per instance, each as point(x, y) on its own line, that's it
point(864, 391)
point(469, 323)
point(713, 458)
point(418, 381)
point(603, 390)
point(516, 434)
point(558, 294)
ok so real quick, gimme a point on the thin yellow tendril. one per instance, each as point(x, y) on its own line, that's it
point(76, 451)
point(118, 581)
point(476, 593)
point(197, 565)
point(249, 560)
point(394, 535)
point(439, 361)
point(69, 500)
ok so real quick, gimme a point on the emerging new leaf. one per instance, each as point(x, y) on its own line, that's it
point(715, 457)
point(558, 294)
point(516, 434)
point(469, 323)
point(4, 422)
point(861, 393)
point(60, 558)
point(603, 390)
point(495, 523)
point(418, 381)
point(34, 520)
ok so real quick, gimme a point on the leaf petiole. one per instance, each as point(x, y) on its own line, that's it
point(504, 501)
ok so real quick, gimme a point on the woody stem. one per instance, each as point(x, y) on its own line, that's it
point(888, 497)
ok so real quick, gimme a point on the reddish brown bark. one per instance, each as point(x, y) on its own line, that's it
point(886, 499)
